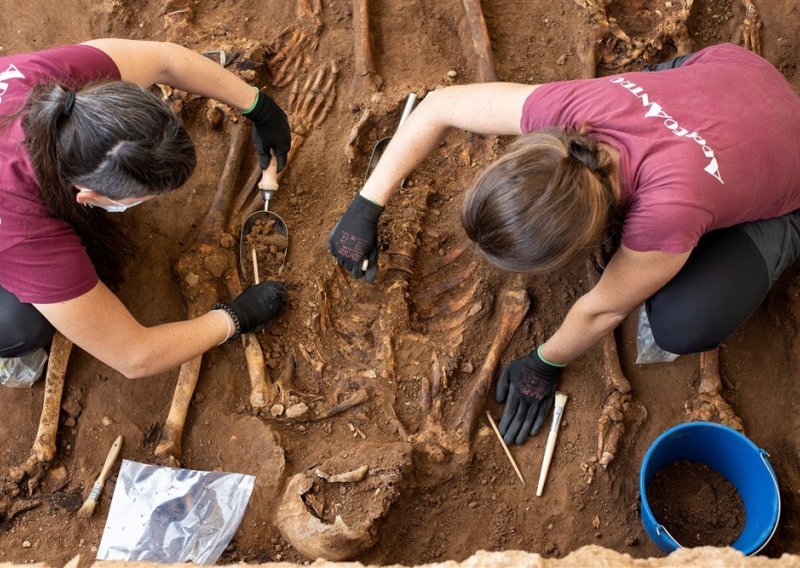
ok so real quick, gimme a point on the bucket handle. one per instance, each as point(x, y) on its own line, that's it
point(662, 529)
point(765, 458)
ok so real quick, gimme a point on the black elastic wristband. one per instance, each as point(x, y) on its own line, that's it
point(231, 312)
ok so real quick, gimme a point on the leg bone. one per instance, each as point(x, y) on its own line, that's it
point(513, 305)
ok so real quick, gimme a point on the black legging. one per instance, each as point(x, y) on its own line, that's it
point(725, 279)
point(22, 328)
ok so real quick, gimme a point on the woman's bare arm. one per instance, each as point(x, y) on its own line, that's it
point(101, 325)
point(629, 279)
point(483, 108)
point(148, 62)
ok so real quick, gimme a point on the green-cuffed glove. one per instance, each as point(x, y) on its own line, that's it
point(271, 132)
point(527, 386)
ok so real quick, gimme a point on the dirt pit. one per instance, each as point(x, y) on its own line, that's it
point(697, 505)
point(438, 303)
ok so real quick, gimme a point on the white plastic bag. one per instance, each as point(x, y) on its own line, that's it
point(22, 372)
point(647, 349)
point(168, 515)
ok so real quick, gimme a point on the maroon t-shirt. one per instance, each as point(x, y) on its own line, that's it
point(708, 145)
point(41, 259)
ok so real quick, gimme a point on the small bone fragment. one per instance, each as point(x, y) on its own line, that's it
point(296, 410)
point(355, 475)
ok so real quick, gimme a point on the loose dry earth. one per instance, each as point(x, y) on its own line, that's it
point(469, 502)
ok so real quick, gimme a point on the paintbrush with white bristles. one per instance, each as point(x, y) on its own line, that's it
point(88, 507)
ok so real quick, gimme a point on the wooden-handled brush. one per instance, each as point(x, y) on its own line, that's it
point(88, 507)
point(558, 410)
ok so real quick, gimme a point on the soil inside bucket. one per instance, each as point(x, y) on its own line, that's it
point(697, 505)
point(270, 246)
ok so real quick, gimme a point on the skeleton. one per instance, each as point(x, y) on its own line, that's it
point(401, 336)
point(610, 47)
point(213, 258)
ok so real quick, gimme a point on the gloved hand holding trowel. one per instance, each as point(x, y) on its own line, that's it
point(354, 239)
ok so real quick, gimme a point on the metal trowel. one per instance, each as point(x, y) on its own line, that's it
point(279, 234)
point(380, 146)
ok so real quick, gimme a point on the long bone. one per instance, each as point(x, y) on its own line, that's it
point(513, 304)
point(204, 294)
point(366, 80)
point(610, 424)
point(44, 445)
point(480, 41)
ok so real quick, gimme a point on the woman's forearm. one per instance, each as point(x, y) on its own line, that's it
point(581, 330)
point(195, 73)
point(415, 140)
point(167, 346)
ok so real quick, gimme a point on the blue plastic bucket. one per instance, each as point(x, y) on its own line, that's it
point(732, 455)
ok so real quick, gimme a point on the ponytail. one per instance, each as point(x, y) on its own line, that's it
point(548, 199)
point(114, 138)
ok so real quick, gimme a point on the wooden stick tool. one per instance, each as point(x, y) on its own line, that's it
point(88, 507)
point(505, 448)
point(558, 411)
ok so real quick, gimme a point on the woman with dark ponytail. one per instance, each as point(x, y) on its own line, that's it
point(694, 168)
point(80, 137)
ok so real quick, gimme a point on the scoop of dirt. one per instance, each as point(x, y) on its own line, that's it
point(332, 511)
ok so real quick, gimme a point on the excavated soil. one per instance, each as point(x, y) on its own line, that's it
point(451, 504)
point(697, 505)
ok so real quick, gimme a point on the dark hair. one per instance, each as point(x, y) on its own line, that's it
point(114, 138)
point(546, 200)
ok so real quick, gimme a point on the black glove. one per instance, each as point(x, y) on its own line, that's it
point(257, 307)
point(271, 132)
point(355, 237)
point(527, 386)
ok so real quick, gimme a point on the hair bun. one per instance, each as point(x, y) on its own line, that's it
point(584, 153)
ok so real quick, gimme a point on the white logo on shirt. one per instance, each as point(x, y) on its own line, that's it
point(654, 110)
point(11, 73)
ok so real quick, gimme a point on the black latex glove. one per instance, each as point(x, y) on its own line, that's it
point(355, 237)
point(257, 307)
point(527, 385)
point(271, 132)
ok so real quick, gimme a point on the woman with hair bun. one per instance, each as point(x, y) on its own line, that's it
point(695, 167)
point(81, 138)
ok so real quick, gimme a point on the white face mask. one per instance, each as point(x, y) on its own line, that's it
point(119, 207)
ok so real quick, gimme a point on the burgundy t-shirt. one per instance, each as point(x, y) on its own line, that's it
point(41, 259)
point(708, 145)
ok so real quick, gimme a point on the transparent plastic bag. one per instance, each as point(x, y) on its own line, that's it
point(22, 372)
point(168, 515)
point(647, 349)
